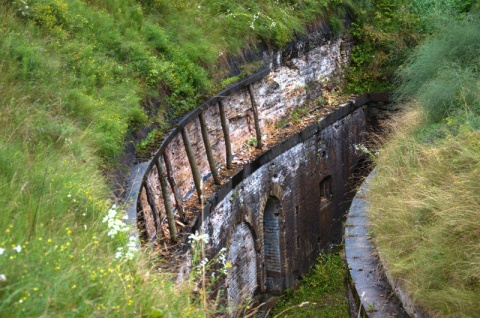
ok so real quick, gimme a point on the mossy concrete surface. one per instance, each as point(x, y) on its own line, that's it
point(369, 284)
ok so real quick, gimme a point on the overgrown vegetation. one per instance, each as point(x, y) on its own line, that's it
point(386, 31)
point(425, 197)
point(322, 293)
point(77, 77)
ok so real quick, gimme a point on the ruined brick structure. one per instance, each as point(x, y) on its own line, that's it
point(282, 208)
point(291, 206)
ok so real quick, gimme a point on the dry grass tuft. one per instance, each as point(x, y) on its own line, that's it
point(425, 210)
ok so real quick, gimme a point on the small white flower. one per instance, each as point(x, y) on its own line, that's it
point(3, 278)
point(2, 250)
point(198, 237)
point(18, 248)
point(69, 195)
point(111, 213)
point(204, 262)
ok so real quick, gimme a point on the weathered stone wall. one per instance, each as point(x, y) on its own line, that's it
point(282, 208)
point(284, 204)
point(290, 83)
point(241, 281)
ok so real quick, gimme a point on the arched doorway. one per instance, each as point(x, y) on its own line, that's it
point(272, 253)
point(241, 280)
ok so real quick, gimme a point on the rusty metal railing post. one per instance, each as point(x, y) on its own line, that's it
point(173, 185)
point(226, 134)
point(255, 118)
point(193, 164)
point(153, 206)
point(208, 148)
point(166, 202)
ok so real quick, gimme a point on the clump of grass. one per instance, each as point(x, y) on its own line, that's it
point(443, 73)
point(425, 199)
point(387, 30)
point(322, 293)
point(425, 207)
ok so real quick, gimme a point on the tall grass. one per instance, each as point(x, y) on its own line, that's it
point(74, 77)
point(322, 292)
point(425, 216)
point(387, 30)
point(443, 74)
point(425, 199)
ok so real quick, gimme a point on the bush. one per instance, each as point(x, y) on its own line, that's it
point(443, 73)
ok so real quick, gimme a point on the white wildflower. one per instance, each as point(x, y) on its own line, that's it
point(198, 237)
point(18, 248)
point(2, 250)
point(3, 278)
point(203, 262)
point(114, 225)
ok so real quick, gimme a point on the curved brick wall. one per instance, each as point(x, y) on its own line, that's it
point(280, 209)
point(239, 282)
point(281, 199)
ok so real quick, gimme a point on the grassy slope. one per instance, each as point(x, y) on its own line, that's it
point(73, 77)
point(426, 195)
